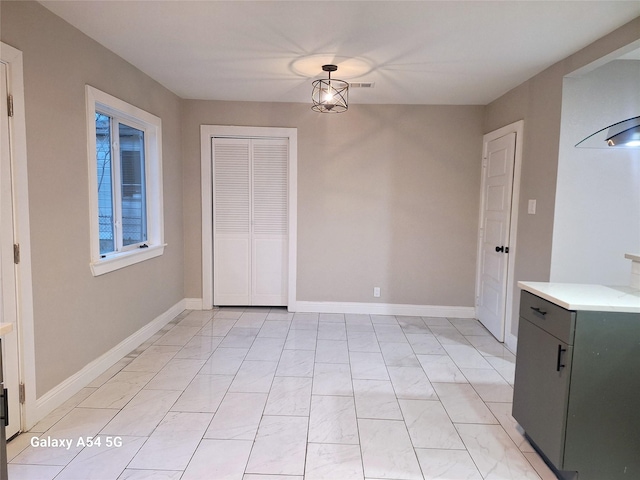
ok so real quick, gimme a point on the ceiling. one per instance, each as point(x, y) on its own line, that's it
point(416, 52)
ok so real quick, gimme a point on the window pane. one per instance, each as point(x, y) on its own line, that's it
point(134, 207)
point(105, 186)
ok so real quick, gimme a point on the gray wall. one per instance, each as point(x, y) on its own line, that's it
point(597, 214)
point(538, 102)
point(78, 317)
point(387, 196)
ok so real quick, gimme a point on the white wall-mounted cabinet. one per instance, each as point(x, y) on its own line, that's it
point(250, 221)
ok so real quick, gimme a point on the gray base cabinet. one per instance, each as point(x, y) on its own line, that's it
point(577, 388)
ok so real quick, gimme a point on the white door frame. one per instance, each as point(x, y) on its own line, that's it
point(12, 57)
point(518, 128)
point(207, 133)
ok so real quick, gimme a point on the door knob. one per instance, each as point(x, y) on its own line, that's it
point(499, 249)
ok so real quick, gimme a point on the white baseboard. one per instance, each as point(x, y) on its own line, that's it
point(365, 308)
point(193, 303)
point(511, 342)
point(72, 385)
point(385, 309)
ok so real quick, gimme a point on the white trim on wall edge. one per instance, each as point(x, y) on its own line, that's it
point(193, 304)
point(366, 308)
point(511, 342)
point(13, 58)
point(207, 133)
point(72, 385)
point(517, 128)
point(385, 309)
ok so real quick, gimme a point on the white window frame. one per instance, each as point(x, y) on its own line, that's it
point(102, 102)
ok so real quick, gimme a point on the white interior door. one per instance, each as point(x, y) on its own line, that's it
point(495, 215)
point(250, 224)
point(8, 299)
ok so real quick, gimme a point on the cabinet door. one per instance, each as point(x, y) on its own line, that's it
point(541, 389)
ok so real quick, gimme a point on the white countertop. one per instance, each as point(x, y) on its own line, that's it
point(575, 296)
point(5, 328)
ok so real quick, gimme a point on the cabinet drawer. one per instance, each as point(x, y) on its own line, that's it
point(552, 318)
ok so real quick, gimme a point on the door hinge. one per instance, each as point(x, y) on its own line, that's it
point(10, 105)
point(21, 393)
point(16, 253)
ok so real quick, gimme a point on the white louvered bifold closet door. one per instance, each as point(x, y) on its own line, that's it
point(250, 208)
point(231, 221)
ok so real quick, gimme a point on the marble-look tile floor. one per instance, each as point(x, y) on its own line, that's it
point(263, 394)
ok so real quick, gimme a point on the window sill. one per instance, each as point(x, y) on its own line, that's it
point(124, 259)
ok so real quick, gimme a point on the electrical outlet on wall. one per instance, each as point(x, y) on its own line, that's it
point(376, 291)
point(531, 210)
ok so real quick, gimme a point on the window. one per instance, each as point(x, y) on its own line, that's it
point(124, 149)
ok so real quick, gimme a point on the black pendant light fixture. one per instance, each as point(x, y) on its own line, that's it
point(330, 95)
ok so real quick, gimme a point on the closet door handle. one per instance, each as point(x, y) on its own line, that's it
point(559, 364)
